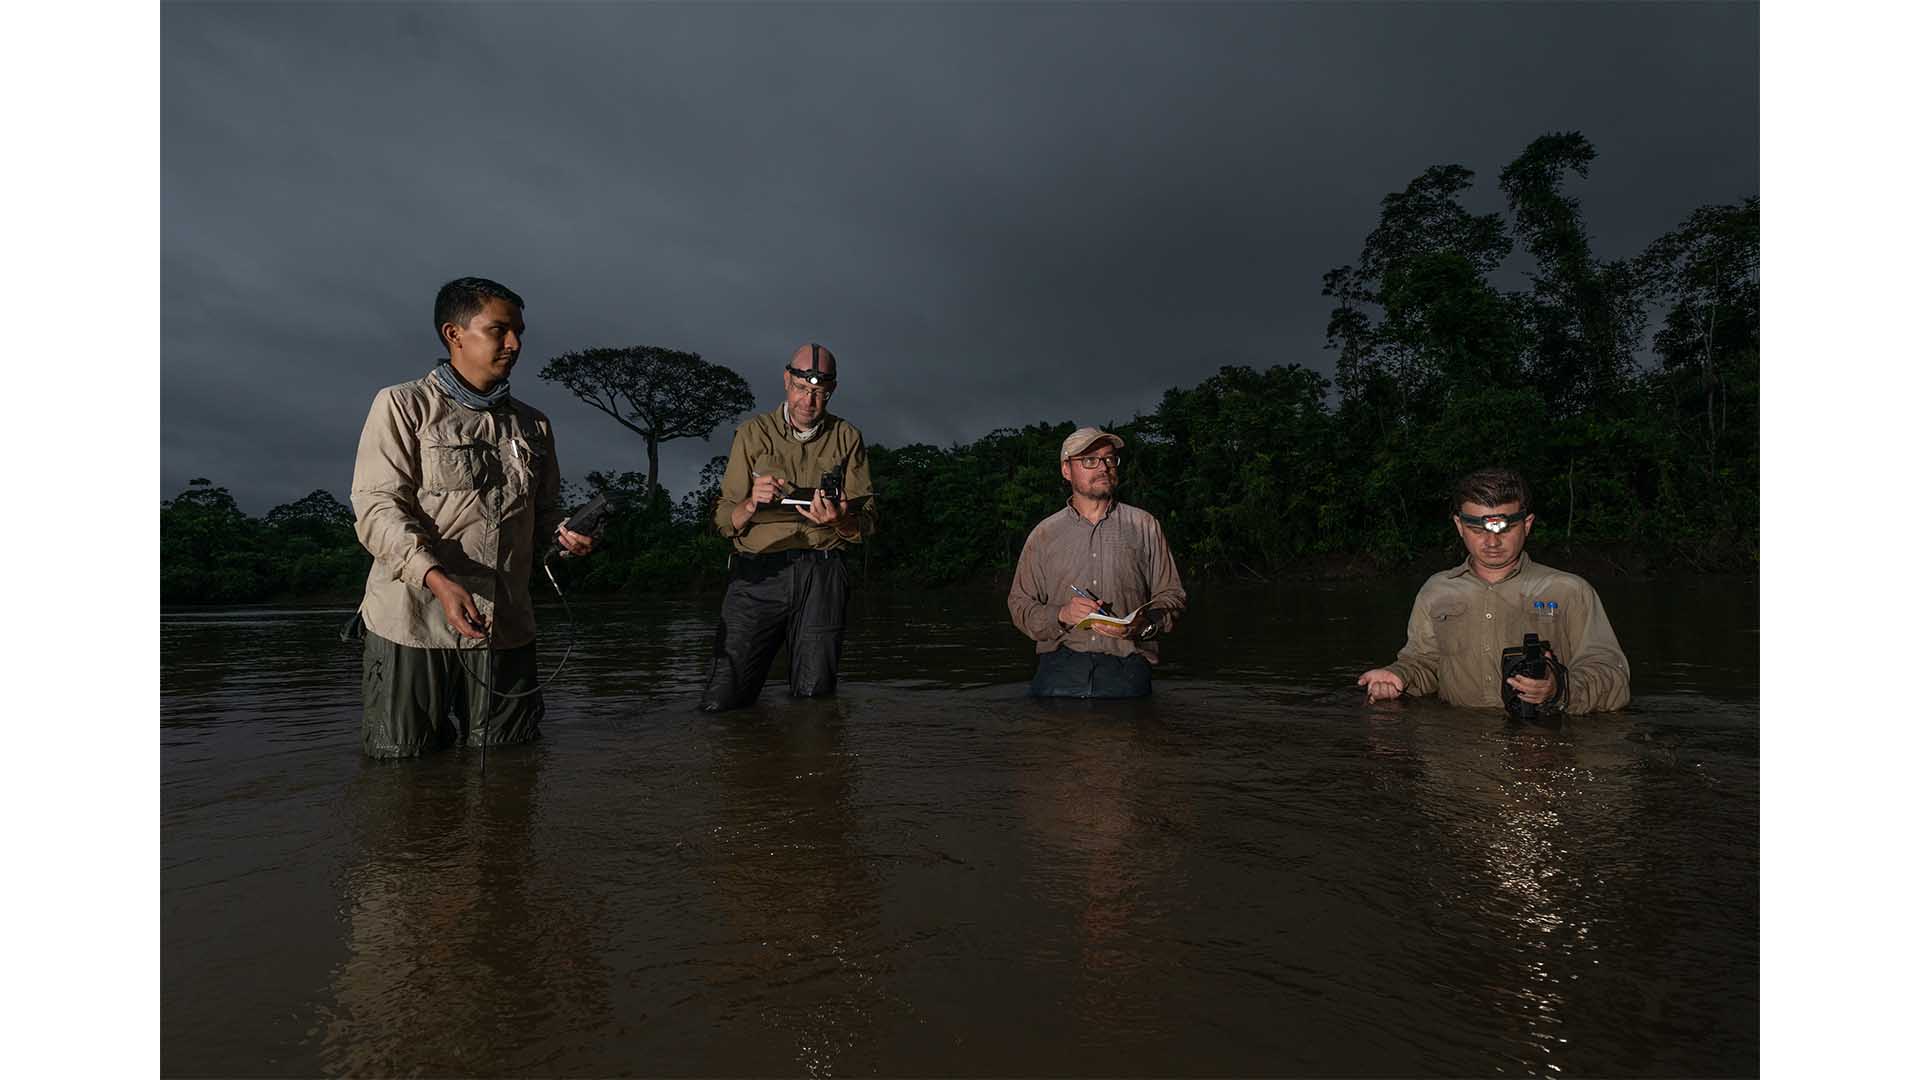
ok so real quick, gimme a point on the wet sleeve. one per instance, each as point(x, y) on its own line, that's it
point(1169, 599)
point(735, 485)
point(1597, 672)
point(548, 510)
point(1027, 600)
point(386, 483)
point(1418, 664)
point(859, 481)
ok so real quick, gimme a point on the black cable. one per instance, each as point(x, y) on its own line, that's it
point(488, 693)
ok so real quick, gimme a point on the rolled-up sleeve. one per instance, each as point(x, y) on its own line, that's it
point(1033, 613)
point(386, 483)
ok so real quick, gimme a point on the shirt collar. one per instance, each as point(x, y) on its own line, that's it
point(796, 434)
point(1520, 567)
point(1112, 509)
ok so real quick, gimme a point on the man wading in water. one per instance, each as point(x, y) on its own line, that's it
point(1463, 618)
point(789, 581)
point(1096, 553)
point(456, 492)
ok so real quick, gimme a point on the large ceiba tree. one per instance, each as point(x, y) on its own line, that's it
point(658, 394)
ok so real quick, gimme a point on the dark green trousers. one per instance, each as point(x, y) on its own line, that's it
point(421, 700)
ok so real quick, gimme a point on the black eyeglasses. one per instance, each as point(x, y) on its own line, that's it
point(1111, 461)
point(822, 380)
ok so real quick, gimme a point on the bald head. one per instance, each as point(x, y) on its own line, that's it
point(810, 381)
point(811, 357)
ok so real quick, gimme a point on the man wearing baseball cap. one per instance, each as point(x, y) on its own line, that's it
point(1096, 586)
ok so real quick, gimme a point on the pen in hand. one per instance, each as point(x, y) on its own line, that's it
point(1104, 609)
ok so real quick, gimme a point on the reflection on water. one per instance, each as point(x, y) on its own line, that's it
point(447, 939)
point(1250, 872)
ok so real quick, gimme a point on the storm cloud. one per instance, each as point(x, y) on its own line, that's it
point(994, 214)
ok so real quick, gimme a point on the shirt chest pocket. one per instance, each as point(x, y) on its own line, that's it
point(530, 452)
point(456, 466)
point(1451, 627)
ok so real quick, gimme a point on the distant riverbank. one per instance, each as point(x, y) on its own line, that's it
point(1597, 562)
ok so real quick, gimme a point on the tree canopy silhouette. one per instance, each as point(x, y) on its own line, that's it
point(658, 394)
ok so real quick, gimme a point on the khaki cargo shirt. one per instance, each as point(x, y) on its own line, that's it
point(765, 444)
point(1460, 624)
point(475, 493)
point(1123, 559)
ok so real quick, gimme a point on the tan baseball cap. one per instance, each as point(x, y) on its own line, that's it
point(1078, 442)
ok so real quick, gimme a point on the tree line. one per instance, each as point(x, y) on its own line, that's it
point(1626, 389)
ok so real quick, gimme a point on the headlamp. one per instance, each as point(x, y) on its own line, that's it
point(822, 379)
point(1493, 523)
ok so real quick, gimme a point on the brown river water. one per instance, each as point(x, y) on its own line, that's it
point(1250, 872)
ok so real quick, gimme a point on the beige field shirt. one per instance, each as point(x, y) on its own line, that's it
point(475, 493)
point(1123, 559)
point(766, 444)
point(1460, 624)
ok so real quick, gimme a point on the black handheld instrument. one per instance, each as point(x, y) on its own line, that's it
point(589, 520)
point(1529, 659)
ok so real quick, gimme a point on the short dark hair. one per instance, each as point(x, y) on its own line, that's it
point(463, 298)
point(1491, 487)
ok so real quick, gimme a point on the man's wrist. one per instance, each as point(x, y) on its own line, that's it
point(1557, 701)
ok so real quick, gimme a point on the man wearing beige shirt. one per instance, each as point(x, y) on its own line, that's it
point(1463, 618)
point(456, 493)
point(789, 578)
point(1096, 554)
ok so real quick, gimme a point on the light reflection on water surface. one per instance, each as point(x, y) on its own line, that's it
point(1250, 872)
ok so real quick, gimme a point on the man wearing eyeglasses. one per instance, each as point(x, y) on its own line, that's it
point(790, 533)
point(1463, 618)
point(1096, 555)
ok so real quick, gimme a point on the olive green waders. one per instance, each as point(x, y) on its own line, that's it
point(421, 700)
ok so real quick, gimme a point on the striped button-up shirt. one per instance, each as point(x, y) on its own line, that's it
point(1122, 558)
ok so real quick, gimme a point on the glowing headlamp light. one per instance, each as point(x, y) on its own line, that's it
point(1493, 523)
point(822, 380)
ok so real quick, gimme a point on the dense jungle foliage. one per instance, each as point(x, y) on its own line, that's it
point(1626, 390)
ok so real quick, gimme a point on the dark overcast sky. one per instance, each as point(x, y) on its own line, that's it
point(995, 214)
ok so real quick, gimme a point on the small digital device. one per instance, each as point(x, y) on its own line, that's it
point(589, 520)
point(832, 488)
point(1529, 660)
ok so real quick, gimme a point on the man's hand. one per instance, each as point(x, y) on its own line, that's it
point(823, 511)
point(1132, 629)
point(1382, 685)
point(765, 490)
point(574, 543)
point(1076, 609)
point(1536, 691)
point(463, 616)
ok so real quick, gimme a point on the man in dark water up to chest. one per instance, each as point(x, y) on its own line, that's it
point(1466, 617)
point(456, 493)
point(789, 580)
point(1096, 585)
